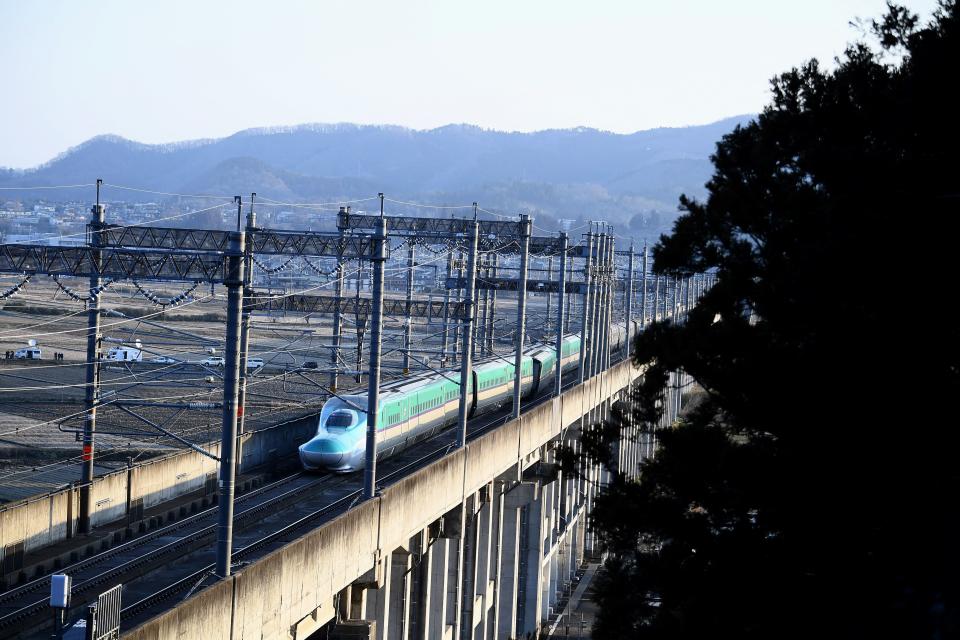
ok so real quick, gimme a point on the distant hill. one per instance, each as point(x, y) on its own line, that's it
point(579, 173)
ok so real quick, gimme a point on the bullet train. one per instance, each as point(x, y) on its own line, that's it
point(417, 407)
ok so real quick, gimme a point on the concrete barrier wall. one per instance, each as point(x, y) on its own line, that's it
point(36, 523)
point(273, 594)
point(572, 405)
point(42, 520)
point(270, 597)
point(491, 455)
point(205, 611)
point(162, 479)
point(109, 498)
point(267, 445)
point(414, 502)
point(541, 424)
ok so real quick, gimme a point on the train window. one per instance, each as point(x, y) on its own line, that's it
point(339, 421)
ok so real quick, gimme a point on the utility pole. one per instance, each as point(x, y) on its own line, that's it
point(361, 322)
point(456, 326)
point(245, 328)
point(611, 296)
point(465, 360)
point(373, 379)
point(491, 318)
point(606, 306)
point(521, 312)
point(569, 313)
point(629, 300)
point(484, 297)
point(598, 302)
point(558, 378)
point(603, 337)
point(656, 298)
point(92, 395)
point(445, 340)
point(493, 305)
point(343, 223)
point(677, 300)
point(643, 296)
point(667, 292)
point(550, 278)
point(585, 317)
point(234, 282)
point(408, 327)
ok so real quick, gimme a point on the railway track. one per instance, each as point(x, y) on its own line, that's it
point(97, 573)
point(189, 542)
point(441, 443)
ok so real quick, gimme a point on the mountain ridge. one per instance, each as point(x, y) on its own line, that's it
point(556, 173)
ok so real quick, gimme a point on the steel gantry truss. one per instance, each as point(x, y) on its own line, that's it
point(116, 264)
point(260, 301)
point(166, 254)
point(262, 241)
point(119, 252)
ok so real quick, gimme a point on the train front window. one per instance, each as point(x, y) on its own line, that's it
point(339, 421)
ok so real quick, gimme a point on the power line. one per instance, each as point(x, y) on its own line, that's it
point(167, 193)
point(58, 186)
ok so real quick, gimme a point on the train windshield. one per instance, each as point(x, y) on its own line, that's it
point(339, 421)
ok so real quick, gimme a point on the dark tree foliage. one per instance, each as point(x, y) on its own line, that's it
point(814, 492)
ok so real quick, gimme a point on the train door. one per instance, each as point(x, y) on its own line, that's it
point(473, 394)
point(535, 379)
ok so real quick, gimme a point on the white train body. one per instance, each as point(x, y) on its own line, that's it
point(415, 408)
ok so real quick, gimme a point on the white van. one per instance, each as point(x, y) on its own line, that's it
point(254, 363)
point(28, 353)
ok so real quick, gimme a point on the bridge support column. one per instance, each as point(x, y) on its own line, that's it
point(397, 625)
point(387, 601)
point(532, 575)
point(513, 502)
point(484, 567)
point(439, 588)
point(470, 541)
point(548, 579)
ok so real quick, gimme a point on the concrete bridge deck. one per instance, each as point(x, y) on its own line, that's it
point(480, 543)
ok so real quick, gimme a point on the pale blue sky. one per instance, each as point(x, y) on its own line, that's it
point(168, 70)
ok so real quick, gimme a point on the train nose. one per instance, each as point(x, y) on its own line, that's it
point(322, 453)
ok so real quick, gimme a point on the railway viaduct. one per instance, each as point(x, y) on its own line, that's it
point(482, 543)
point(479, 540)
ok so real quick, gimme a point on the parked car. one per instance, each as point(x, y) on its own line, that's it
point(163, 360)
point(254, 363)
point(310, 364)
point(28, 353)
point(213, 361)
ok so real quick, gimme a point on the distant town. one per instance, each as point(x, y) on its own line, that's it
point(64, 223)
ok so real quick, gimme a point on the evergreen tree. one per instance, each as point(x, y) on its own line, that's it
point(814, 491)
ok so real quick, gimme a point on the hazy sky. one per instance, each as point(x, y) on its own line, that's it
point(163, 70)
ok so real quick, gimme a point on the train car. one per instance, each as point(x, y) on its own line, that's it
point(415, 408)
point(340, 441)
point(618, 336)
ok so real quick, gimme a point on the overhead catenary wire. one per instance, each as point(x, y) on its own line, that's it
point(398, 269)
point(167, 193)
point(429, 206)
point(54, 186)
